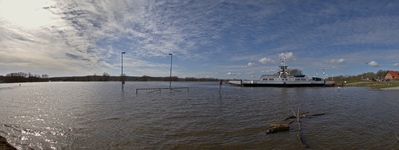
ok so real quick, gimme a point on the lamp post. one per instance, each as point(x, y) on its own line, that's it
point(170, 76)
point(122, 78)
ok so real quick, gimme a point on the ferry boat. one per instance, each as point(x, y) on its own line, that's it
point(283, 79)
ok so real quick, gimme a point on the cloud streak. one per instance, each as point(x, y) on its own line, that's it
point(337, 61)
point(266, 60)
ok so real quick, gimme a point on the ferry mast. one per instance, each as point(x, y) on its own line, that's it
point(283, 73)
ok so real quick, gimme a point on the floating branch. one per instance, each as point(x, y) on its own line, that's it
point(273, 128)
point(299, 128)
point(318, 114)
point(303, 115)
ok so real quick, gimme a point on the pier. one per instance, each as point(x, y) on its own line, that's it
point(160, 89)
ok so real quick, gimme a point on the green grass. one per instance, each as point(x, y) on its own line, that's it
point(340, 81)
point(386, 85)
point(371, 84)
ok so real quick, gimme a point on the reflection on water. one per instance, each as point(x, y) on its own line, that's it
point(99, 115)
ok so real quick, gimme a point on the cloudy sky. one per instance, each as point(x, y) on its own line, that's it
point(208, 38)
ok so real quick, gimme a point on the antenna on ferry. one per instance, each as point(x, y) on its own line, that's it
point(283, 68)
point(284, 60)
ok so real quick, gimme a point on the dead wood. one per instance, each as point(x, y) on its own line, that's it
point(318, 114)
point(273, 128)
point(299, 128)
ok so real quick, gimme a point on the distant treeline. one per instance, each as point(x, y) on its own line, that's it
point(23, 77)
point(379, 76)
point(28, 77)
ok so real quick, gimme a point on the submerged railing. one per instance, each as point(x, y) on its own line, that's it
point(160, 89)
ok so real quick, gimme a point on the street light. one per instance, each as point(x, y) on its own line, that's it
point(170, 76)
point(122, 78)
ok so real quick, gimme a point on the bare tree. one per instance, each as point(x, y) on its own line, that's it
point(295, 71)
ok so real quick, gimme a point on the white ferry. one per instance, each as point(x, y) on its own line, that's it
point(283, 79)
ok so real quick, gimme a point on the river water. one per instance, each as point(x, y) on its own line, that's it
point(100, 115)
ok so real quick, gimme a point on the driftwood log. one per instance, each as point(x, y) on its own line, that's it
point(277, 127)
point(273, 128)
point(299, 135)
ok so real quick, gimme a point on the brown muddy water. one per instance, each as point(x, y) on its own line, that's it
point(99, 115)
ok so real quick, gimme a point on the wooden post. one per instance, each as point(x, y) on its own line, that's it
point(220, 86)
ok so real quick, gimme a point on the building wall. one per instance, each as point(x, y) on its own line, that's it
point(389, 76)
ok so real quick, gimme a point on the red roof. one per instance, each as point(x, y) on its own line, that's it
point(394, 74)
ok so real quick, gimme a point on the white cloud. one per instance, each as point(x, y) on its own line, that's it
point(89, 36)
point(266, 60)
point(337, 61)
point(250, 64)
point(288, 55)
point(373, 64)
point(396, 64)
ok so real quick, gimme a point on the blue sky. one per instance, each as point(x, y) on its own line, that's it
point(208, 38)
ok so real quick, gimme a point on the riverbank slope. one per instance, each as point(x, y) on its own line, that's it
point(4, 145)
point(391, 85)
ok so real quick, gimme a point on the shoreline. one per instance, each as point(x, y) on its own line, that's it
point(4, 145)
point(375, 85)
point(390, 88)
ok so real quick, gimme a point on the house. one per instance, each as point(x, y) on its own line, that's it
point(391, 75)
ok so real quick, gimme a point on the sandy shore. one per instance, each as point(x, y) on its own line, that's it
point(4, 145)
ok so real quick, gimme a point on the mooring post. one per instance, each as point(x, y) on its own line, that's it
point(220, 86)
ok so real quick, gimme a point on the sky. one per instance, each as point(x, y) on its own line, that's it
point(224, 39)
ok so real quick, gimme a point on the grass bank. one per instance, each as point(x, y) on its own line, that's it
point(371, 84)
point(386, 85)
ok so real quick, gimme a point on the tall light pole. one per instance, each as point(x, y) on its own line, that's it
point(170, 76)
point(122, 78)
